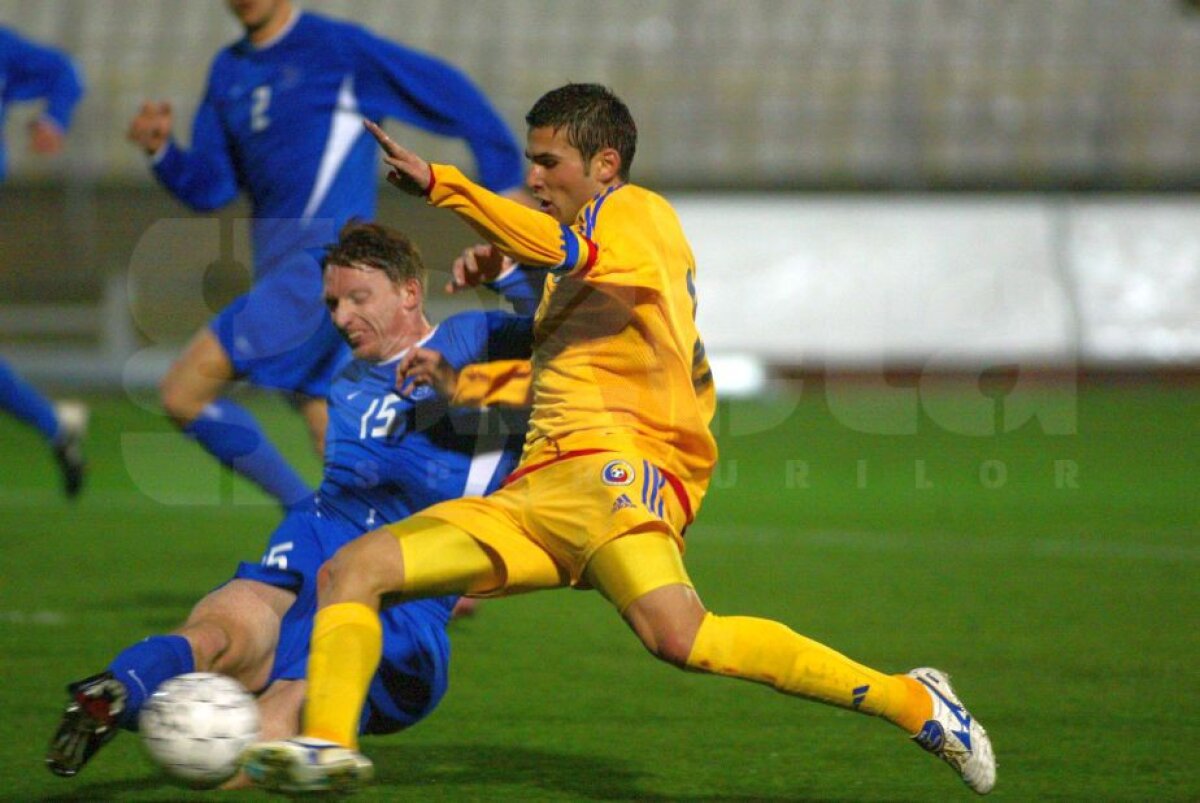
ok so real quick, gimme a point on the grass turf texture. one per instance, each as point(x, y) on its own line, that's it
point(1067, 615)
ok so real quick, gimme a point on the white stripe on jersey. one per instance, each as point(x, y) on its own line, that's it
point(345, 129)
point(483, 466)
point(489, 448)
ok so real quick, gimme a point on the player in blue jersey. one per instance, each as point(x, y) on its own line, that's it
point(30, 71)
point(281, 120)
point(388, 453)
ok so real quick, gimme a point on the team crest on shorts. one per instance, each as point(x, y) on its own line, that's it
point(617, 472)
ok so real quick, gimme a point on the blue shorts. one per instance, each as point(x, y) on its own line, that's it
point(279, 336)
point(414, 671)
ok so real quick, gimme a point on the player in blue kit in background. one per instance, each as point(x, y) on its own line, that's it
point(281, 119)
point(30, 71)
point(388, 454)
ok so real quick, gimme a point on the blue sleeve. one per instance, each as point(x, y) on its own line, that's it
point(522, 288)
point(420, 90)
point(476, 336)
point(203, 177)
point(36, 71)
point(509, 337)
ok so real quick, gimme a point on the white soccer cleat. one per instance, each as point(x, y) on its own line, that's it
point(954, 735)
point(306, 765)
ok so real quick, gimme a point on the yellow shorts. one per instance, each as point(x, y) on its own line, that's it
point(543, 528)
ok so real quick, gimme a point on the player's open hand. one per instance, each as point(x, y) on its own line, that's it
point(151, 128)
point(478, 264)
point(426, 367)
point(409, 172)
point(45, 137)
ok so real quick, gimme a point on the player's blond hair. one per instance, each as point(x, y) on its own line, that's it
point(373, 245)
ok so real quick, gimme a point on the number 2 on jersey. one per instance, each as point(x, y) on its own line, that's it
point(260, 101)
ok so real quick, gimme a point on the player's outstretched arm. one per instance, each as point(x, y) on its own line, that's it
point(201, 176)
point(526, 235)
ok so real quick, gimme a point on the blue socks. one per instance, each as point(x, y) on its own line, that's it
point(233, 436)
point(21, 399)
point(144, 666)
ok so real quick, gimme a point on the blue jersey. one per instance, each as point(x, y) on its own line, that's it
point(29, 71)
point(283, 122)
point(390, 453)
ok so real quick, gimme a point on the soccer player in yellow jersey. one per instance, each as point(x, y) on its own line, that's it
point(615, 464)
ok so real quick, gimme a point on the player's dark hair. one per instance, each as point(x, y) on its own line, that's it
point(379, 247)
point(593, 117)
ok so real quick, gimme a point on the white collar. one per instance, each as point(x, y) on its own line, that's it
point(284, 31)
point(419, 343)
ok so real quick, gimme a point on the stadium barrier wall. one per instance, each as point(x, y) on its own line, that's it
point(858, 283)
point(959, 281)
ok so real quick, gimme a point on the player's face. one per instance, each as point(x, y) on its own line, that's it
point(376, 317)
point(558, 177)
point(258, 15)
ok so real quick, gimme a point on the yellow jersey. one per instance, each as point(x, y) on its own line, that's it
point(501, 383)
point(617, 361)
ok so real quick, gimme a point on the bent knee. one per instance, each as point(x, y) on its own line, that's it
point(182, 406)
point(673, 647)
point(367, 567)
point(667, 620)
point(670, 642)
point(212, 643)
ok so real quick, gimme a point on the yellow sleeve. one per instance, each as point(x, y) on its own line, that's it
point(527, 235)
point(640, 240)
point(503, 383)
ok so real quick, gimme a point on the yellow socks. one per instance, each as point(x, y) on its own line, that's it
point(768, 652)
point(347, 643)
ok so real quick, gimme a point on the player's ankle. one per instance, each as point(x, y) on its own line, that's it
point(918, 708)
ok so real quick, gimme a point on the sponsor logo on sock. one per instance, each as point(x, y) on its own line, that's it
point(860, 694)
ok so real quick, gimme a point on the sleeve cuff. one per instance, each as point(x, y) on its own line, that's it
point(157, 157)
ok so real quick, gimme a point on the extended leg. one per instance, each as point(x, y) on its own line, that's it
point(191, 395)
point(347, 637)
point(22, 400)
point(63, 424)
point(419, 557)
point(643, 575)
point(664, 610)
point(233, 630)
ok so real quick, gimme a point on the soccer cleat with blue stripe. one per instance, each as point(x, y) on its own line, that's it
point(954, 735)
point(304, 765)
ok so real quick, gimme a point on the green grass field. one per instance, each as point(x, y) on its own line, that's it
point(1057, 577)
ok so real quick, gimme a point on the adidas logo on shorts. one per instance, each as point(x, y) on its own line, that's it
point(622, 502)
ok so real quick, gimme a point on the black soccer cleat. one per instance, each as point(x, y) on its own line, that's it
point(68, 449)
point(88, 723)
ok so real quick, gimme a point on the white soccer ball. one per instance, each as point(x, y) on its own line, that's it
point(195, 727)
